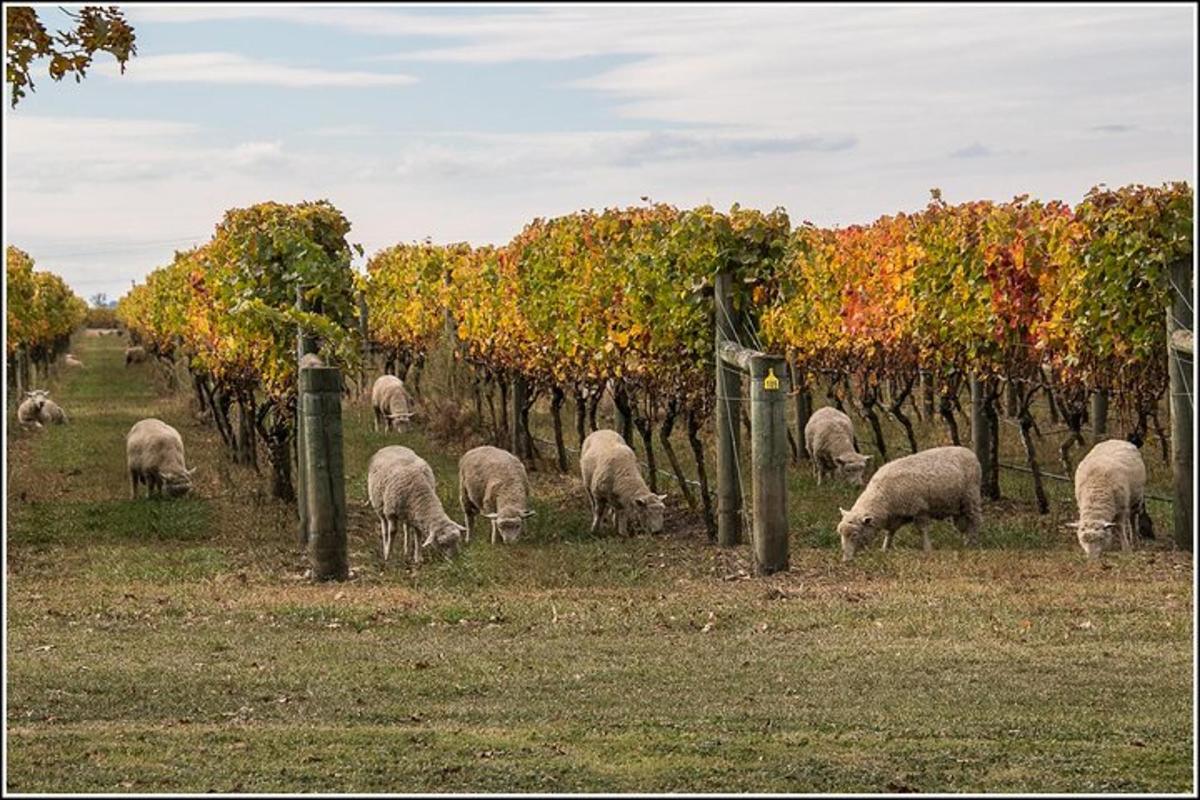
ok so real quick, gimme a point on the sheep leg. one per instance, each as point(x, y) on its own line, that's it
point(598, 509)
point(468, 514)
point(377, 416)
point(417, 548)
point(385, 535)
point(1126, 531)
point(887, 540)
point(133, 484)
point(622, 522)
point(927, 545)
point(494, 530)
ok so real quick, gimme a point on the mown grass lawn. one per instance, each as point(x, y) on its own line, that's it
point(173, 646)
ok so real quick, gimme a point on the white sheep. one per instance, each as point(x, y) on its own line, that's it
point(72, 361)
point(52, 413)
point(829, 440)
point(391, 402)
point(939, 483)
point(154, 456)
point(311, 360)
point(612, 480)
point(135, 355)
point(403, 491)
point(494, 482)
point(29, 412)
point(1110, 483)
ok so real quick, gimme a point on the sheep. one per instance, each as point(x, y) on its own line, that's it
point(154, 456)
point(29, 413)
point(611, 479)
point(402, 491)
point(311, 360)
point(391, 402)
point(493, 481)
point(939, 483)
point(829, 440)
point(72, 361)
point(52, 413)
point(134, 355)
point(1110, 483)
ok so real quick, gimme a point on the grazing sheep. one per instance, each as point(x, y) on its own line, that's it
point(391, 402)
point(311, 360)
point(611, 479)
point(493, 481)
point(72, 361)
point(52, 413)
point(939, 483)
point(135, 355)
point(154, 455)
point(1109, 489)
point(29, 413)
point(402, 490)
point(829, 440)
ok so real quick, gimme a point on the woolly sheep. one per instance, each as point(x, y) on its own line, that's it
point(134, 355)
point(29, 413)
point(72, 361)
point(52, 413)
point(311, 360)
point(391, 402)
point(402, 490)
point(611, 479)
point(939, 483)
point(154, 455)
point(1109, 489)
point(494, 482)
point(829, 440)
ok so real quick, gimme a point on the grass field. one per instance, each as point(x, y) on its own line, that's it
point(173, 646)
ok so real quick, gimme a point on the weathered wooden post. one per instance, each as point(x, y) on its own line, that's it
point(803, 411)
point(304, 344)
point(1099, 414)
point(324, 497)
point(769, 458)
point(982, 440)
point(1181, 357)
point(728, 420)
point(520, 436)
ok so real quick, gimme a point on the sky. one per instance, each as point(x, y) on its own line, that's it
point(465, 123)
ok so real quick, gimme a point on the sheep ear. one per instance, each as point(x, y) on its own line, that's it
point(844, 511)
point(1071, 526)
point(461, 528)
point(190, 472)
point(662, 496)
point(1108, 526)
point(491, 515)
point(867, 458)
point(527, 513)
point(428, 540)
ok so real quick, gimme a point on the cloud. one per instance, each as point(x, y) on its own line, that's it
point(973, 150)
point(1115, 128)
point(233, 68)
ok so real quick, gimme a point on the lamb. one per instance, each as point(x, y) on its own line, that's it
point(829, 440)
point(391, 402)
point(494, 482)
point(311, 360)
point(134, 355)
point(154, 455)
point(402, 490)
point(1109, 489)
point(29, 413)
point(52, 413)
point(611, 479)
point(72, 361)
point(939, 483)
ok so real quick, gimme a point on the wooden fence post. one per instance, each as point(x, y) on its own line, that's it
point(304, 345)
point(803, 411)
point(520, 436)
point(769, 460)
point(1181, 357)
point(728, 422)
point(324, 498)
point(1099, 415)
point(982, 440)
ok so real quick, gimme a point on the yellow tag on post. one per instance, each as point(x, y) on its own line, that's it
point(771, 383)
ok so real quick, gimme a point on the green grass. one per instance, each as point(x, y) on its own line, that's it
point(172, 646)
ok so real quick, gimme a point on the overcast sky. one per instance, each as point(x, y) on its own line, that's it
point(465, 123)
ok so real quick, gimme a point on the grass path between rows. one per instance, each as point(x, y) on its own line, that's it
point(171, 646)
